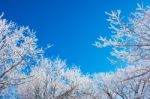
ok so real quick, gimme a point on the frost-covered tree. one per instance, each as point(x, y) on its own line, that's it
point(116, 85)
point(52, 80)
point(131, 44)
point(130, 41)
point(18, 50)
point(48, 79)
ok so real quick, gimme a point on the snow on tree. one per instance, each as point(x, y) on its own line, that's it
point(116, 85)
point(131, 40)
point(18, 49)
point(131, 44)
point(52, 80)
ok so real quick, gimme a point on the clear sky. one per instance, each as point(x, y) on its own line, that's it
point(71, 26)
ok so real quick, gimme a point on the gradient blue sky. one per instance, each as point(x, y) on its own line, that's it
point(71, 26)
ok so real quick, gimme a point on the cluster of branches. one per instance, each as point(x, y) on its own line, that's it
point(53, 79)
point(131, 44)
point(18, 50)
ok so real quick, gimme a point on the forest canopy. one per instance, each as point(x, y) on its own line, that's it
point(25, 73)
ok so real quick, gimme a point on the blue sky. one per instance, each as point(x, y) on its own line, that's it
point(71, 26)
